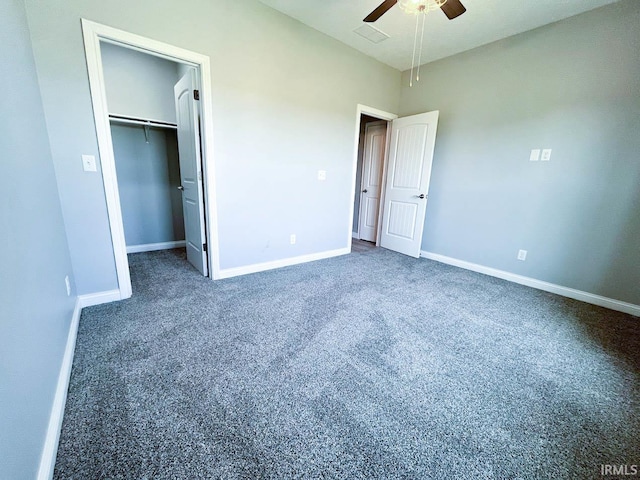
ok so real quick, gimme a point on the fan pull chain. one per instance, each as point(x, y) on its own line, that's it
point(424, 19)
point(413, 58)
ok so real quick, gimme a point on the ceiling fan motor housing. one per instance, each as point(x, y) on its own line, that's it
point(451, 8)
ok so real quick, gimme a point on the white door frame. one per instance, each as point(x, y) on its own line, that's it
point(93, 34)
point(382, 115)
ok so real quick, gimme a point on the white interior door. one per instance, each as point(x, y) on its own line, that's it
point(407, 187)
point(191, 171)
point(375, 139)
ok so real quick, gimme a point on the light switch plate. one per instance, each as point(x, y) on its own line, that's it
point(322, 175)
point(89, 163)
point(546, 155)
point(535, 155)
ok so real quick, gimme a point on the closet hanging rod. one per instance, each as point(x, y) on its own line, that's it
point(141, 121)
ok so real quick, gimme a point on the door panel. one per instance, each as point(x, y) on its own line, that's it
point(411, 140)
point(373, 161)
point(407, 187)
point(371, 218)
point(402, 219)
point(191, 171)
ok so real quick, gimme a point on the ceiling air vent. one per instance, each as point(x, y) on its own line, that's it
point(371, 33)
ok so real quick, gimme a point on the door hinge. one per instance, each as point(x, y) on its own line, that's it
point(196, 94)
point(204, 247)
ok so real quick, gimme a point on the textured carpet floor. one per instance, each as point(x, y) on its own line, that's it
point(370, 365)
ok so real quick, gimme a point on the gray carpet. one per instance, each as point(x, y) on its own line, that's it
point(371, 365)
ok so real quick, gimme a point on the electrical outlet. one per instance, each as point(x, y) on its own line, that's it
point(322, 175)
point(522, 255)
point(68, 284)
point(292, 239)
point(546, 155)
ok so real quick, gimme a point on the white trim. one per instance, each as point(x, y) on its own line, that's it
point(382, 115)
point(286, 262)
point(50, 449)
point(152, 247)
point(105, 149)
point(91, 299)
point(374, 112)
point(208, 165)
point(93, 34)
point(587, 297)
point(355, 235)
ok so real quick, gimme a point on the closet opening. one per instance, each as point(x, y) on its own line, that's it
point(152, 108)
point(154, 117)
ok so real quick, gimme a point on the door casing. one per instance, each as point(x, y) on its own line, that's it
point(93, 34)
point(382, 115)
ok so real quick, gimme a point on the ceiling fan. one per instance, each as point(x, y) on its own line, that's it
point(451, 8)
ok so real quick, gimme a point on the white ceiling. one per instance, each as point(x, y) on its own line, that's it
point(485, 21)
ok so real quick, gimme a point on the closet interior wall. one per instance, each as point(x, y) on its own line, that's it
point(140, 88)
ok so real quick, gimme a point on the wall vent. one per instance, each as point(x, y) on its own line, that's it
point(371, 33)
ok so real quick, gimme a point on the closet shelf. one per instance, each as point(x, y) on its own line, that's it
point(141, 121)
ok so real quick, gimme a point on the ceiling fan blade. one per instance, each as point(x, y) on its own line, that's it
point(453, 9)
point(381, 10)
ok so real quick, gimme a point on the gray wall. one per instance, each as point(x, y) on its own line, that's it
point(34, 259)
point(148, 180)
point(279, 89)
point(573, 86)
point(141, 85)
point(183, 69)
point(138, 84)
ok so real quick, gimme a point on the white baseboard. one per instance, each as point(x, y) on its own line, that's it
point(99, 298)
point(355, 235)
point(286, 262)
point(50, 449)
point(587, 297)
point(152, 247)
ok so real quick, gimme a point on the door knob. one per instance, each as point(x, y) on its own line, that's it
point(421, 195)
point(181, 188)
point(365, 190)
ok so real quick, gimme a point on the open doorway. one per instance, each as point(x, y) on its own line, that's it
point(188, 134)
point(373, 127)
point(403, 184)
point(154, 120)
